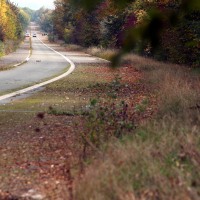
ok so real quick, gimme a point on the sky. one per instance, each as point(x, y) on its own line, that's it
point(34, 4)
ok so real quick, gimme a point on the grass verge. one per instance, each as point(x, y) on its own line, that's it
point(31, 134)
point(160, 159)
point(101, 155)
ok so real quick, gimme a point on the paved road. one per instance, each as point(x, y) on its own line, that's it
point(43, 64)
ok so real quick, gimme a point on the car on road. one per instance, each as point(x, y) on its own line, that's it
point(43, 34)
point(27, 35)
point(34, 35)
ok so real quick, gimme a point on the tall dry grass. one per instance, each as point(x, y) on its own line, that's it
point(162, 158)
point(178, 89)
point(106, 54)
point(72, 47)
point(160, 162)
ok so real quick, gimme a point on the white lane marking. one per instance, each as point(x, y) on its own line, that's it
point(26, 60)
point(71, 69)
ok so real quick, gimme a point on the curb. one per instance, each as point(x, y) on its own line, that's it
point(28, 57)
point(36, 86)
point(25, 61)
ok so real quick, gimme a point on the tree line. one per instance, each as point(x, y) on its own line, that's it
point(13, 22)
point(167, 30)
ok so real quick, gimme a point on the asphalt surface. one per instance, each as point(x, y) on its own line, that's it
point(43, 64)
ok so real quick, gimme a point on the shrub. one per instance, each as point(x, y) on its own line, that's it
point(2, 51)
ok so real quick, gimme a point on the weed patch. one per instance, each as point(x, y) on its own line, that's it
point(106, 54)
point(107, 149)
point(159, 159)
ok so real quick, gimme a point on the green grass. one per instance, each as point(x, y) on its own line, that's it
point(196, 71)
point(64, 95)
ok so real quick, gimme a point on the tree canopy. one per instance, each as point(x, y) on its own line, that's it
point(13, 21)
point(167, 30)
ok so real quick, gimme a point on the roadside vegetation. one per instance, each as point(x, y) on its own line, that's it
point(148, 28)
point(13, 23)
point(160, 158)
point(111, 133)
point(103, 135)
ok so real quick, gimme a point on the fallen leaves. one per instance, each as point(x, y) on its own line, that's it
point(43, 152)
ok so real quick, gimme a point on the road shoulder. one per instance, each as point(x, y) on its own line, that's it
point(16, 58)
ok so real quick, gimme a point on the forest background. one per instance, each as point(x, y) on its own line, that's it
point(166, 30)
point(13, 22)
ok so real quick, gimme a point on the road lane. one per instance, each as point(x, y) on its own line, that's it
point(46, 61)
point(43, 64)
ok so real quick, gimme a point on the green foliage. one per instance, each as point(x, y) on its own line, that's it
point(43, 17)
point(46, 21)
point(166, 30)
point(111, 30)
point(90, 31)
point(58, 112)
point(37, 14)
point(105, 120)
point(67, 35)
point(29, 11)
point(114, 87)
point(2, 52)
point(24, 19)
point(13, 21)
point(141, 107)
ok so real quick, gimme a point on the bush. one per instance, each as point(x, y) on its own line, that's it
point(68, 35)
point(2, 51)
